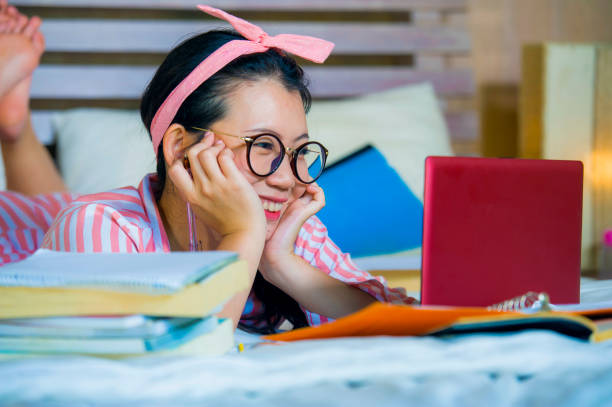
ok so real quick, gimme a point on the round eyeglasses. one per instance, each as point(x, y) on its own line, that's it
point(265, 153)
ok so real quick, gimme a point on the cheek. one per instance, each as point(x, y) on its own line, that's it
point(243, 166)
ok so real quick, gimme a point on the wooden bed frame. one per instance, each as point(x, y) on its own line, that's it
point(101, 53)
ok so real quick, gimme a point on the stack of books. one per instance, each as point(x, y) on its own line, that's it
point(118, 304)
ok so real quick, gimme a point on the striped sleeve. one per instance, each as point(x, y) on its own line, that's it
point(24, 221)
point(94, 227)
point(314, 245)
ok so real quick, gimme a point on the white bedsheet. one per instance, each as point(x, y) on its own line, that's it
point(530, 368)
point(535, 368)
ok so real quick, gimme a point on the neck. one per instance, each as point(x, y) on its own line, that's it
point(173, 212)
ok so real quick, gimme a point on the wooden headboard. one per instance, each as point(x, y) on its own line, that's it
point(102, 53)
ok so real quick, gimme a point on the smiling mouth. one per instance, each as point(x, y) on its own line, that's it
point(270, 206)
point(272, 209)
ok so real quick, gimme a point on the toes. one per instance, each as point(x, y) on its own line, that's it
point(32, 27)
point(39, 41)
point(20, 23)
point(10, 26)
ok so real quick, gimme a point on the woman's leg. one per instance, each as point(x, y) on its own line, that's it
point(28, 166)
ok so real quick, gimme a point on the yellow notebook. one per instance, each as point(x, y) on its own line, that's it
point(196, 299)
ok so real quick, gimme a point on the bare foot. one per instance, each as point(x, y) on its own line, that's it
point(21, 45)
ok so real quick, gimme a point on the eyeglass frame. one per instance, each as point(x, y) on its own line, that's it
point(292, 152)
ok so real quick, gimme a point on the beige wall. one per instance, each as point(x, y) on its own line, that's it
point(499, 29)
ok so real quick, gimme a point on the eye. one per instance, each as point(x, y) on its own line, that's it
point(264, 144)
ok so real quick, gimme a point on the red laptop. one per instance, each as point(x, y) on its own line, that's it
point(494, 229)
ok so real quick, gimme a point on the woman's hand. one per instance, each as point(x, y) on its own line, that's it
point(279, 249)
point(227, 202)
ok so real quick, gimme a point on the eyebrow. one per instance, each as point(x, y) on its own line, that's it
point(263, 130)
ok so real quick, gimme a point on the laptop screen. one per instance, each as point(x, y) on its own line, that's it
point(494, 229)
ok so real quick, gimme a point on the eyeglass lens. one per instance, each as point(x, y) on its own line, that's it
point(267, 152)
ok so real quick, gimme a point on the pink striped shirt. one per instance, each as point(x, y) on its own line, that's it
point(128, 220)
point(24, 221)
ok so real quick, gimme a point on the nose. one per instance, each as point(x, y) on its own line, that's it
point(283, 177)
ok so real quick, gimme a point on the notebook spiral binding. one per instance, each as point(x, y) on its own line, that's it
point(528, 301)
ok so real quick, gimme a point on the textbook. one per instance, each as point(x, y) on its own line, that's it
point(200, 336)
point(153, 284)
point(594, 324)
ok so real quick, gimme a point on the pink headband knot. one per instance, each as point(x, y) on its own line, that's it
point(257, 40)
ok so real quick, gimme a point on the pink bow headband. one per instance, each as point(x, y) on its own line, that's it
point(311, 48)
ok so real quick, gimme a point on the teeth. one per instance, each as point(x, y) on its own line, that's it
point(271, 206)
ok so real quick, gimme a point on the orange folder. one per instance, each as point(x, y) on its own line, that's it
point(388, 319)
point(406, 320)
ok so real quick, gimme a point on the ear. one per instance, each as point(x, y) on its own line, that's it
point(175, 142)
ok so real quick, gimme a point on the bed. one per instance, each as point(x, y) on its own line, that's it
point(427, 76)
point(528, 368)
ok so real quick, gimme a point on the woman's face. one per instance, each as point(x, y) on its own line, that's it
point(266, 107)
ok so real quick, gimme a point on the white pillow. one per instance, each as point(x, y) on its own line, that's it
point(405, 124)
point(102, 149)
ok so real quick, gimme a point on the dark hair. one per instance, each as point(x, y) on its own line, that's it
point(205, 106)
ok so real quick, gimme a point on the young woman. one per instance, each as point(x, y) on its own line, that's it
point(236, 171)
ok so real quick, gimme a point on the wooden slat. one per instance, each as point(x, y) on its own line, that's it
point(160, 36)
point(90, 82)
point(336, 81)
point(155, 59)
point(121, 82)
point(462, 126)
point(427, 17)
point(399, 5)
point(430, 62)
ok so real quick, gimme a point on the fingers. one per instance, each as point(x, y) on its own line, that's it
point(209, 160)
point(317, 197)
point(182, 180)
point(228, 166)
point(203, 160)
point(317, 192)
